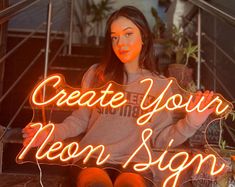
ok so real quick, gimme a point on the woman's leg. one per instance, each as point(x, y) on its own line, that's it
point(93, 177)
point(129, 180)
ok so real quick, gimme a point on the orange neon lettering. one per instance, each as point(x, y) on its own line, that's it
point(109, 97)
point(54, 148)
point(86, 98)
point(143, 119)
point(66, 153)
point(73, 97)
point(41, 128)
point(37, 92)
point(62, 99)
point(71, 151)
point(177, 170)
point(76, 97)
point(173, 100)
point(137, 150)
point(89, 99)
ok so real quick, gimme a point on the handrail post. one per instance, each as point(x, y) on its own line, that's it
point(3, 44)
point(71, 26)
point(215, 54)
point(3, 39)
point(49, 15)
point(199, 34)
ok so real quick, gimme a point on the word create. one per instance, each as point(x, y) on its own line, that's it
point(108, 98)
point(88, 98)
point(71, 151)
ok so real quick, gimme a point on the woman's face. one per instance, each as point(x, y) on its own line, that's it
point(126, 40)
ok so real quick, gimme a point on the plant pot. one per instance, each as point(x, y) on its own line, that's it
point(182, 73)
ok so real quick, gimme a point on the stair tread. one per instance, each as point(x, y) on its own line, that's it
point(87, 49)
point(8, 179)
point(74, 63)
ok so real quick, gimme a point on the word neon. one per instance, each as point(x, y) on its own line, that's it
point(109, 97)
point(57, 150)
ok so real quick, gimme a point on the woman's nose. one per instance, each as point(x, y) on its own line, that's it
point(121, 41)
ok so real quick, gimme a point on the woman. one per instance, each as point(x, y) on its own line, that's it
point(128, 59)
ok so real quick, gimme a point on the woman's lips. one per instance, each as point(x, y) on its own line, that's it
point(123, 52)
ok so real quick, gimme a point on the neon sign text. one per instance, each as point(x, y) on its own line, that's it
point(177, 101)
point(58, 151)
point(68, 152)
point(62, 95)
point(90, 98)
point(76, 97)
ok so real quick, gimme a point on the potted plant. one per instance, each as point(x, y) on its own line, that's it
point(181, 51)
point(98, 12)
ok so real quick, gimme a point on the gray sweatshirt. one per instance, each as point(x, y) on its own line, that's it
point(117, 129)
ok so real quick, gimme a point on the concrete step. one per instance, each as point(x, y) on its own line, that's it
point(76, 62)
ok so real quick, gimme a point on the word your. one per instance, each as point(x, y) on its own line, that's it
point(110, 98)
point(71, 151)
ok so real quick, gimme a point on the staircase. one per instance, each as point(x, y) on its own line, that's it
point(71, 66)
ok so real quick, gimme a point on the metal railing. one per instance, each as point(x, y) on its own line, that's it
point(2, 60)
point(7, 14)
point(220, 14)
point(71, 27)
point(205, 6)
point(14, 9)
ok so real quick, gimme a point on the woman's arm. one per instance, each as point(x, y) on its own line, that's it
point(179, 131)
point(77, 122)
point(166, 128)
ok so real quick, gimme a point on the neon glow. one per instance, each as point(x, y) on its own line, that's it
point(89, 99)
point(76, 97)
point(65, 153)
point(63, 95)
point(176, 171)
point(172, 99)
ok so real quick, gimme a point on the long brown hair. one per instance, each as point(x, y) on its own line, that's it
point(111, 68)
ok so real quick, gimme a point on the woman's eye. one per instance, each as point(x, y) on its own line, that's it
point(114, 38)
point(128, 34)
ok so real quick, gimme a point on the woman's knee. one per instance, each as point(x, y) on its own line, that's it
point(129, 180)
point(93, 177)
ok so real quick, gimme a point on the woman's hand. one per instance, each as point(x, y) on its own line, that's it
point(198, 118)
point(28, 133)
